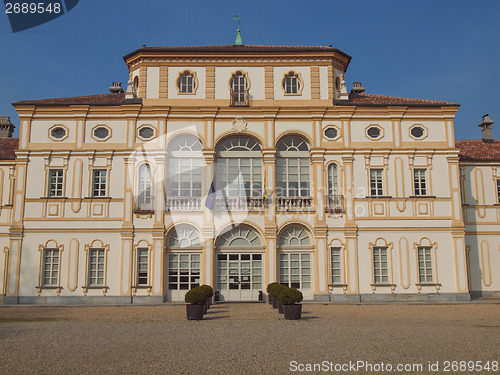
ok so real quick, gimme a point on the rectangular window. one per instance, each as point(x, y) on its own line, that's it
point(376, 186)
point(142, 266)
point(184, 178)
point(295, 270)
point(95, 274)
point(99, 183)
point(498, 190)
point(336, 266)
point(292, 177)
point(380, 272)
point(419, 184)
point(424, 264)
point(56, 183)
point(50, 267)
point(183, 271)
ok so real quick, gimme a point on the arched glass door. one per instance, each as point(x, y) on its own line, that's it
point(239, 265)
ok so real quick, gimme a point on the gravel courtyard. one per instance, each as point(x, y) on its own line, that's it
point(242, 338)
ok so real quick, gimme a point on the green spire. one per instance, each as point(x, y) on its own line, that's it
point(238, 39)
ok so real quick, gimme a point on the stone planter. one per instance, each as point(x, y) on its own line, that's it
point(270, 299)
point(280, 307)
point(195, 312)
point(293, 312)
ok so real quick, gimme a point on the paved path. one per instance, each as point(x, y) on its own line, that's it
point(241, 338)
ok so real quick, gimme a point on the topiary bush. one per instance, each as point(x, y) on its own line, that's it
point(270, 286)
point(196, 296)
point(208, 289)
point(289, 296)
point(276, 290)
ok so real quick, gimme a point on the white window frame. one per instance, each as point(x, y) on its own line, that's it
point(99, 188)
point(186, 83)
point(50, 264)
point(192, 274)
point(336, 265)
point(239, 168)
point(96, 254)
point(285, 177)
point(142, 266)
point(425, 265)
point(378, 254)
point(55, 187)
point(292, 84)
point(144, 200)
point(420, 182)
point(333, 180)
point(302, 273)
point(376, 182)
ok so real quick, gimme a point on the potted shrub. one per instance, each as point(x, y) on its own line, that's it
point(209, 292)
point(269, 295)
point(290, 299)
point(273, 291)
point(195, 299)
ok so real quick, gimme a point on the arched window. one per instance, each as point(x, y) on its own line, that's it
point(145, 189)
point(239, 90)
point(183, 236)
point(238, 168)
point(184, 167)
point(239, 237)
point(291, 83)
point(186, 83)
point(292, 167)
point(295, 245)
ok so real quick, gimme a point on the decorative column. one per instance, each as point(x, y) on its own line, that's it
point(127, 232)
point(318, 191)
point(208, 255)
point(270, 226)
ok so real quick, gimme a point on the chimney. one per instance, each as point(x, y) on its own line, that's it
point(486, 129)
point(357, 88)
point(6, 127)
point(116, 88)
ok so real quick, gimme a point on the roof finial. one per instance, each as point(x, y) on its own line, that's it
point(238, 41)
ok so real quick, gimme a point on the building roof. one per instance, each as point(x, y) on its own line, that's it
point(382, 100)
point(8, 147)
point(477, 149)
point(238, 49)
point(103, 99)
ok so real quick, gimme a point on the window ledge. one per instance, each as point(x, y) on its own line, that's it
point(379, 196)
point(423, 196)
point(86, 288)
point(97, 198)
point(53, 197)
point(497, 204)
point(337, 285)
point(428, 284)
point(384, 284)
point(144, 212)
point(57, 288)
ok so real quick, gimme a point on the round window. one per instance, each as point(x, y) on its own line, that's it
point(58, 132)
point(146, 132)
point(417, 132)
point(101, 132)
point(373, 132)
point(331, 133)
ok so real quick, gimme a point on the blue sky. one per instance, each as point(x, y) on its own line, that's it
point(443, 50)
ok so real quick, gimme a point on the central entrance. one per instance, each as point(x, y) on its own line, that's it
point(239, 276)
point(239, 265)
